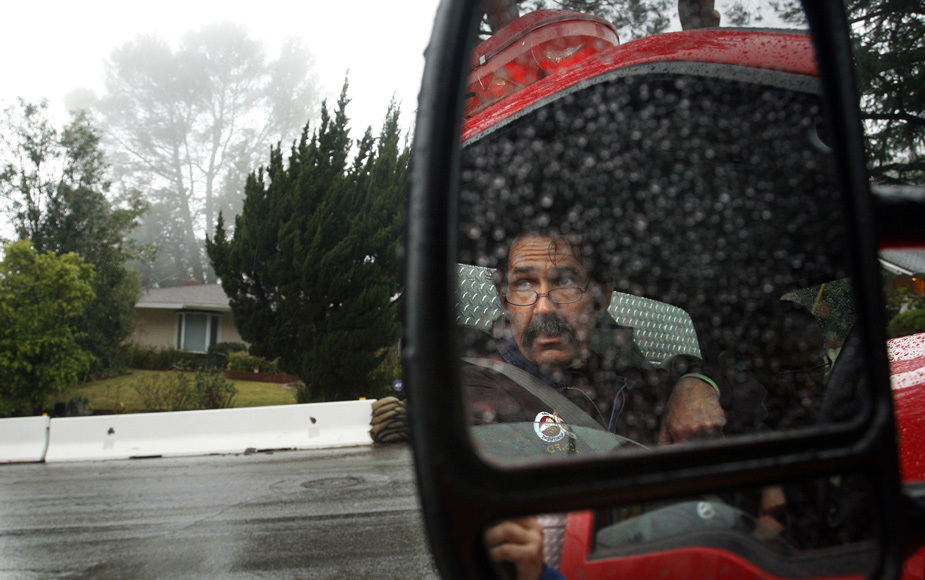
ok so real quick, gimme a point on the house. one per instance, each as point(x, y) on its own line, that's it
point(190, 318)
point(903, 262)
point(905, 269)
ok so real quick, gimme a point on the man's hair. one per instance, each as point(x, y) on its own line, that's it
point(589, 259)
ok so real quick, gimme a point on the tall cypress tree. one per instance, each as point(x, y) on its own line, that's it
point(310, 267)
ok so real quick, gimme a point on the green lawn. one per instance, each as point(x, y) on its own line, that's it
point(118, 393)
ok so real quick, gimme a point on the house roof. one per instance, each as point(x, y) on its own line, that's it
point(200, 297)
point(903, 261)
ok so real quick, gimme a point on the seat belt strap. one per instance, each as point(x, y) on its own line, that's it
point(569, 411)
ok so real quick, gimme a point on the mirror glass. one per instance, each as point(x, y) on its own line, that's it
point(651, 243)
point(803, 529)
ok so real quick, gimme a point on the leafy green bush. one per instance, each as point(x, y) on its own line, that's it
point(909, 322)
point(213, 390)
point(168, 392)
point(155, 358)
point(41, 299)
point(227, 348)
point(241, 361)
point(217, 357)
point(182, 391)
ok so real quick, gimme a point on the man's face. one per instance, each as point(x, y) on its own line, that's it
point(551, 335)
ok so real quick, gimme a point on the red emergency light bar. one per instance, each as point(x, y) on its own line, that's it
point(533, 47)
point(788, 51)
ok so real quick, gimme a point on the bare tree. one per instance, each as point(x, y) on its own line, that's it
point(177, 120)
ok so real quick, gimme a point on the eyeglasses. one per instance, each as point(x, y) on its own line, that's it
point(565, 295)
point(815, 373)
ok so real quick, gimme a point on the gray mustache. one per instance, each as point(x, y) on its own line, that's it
point(548, 324)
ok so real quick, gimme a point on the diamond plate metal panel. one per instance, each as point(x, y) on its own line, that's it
point(477, 302)
point(660, 330)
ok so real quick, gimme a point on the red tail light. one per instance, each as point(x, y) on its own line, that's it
point(532, 47)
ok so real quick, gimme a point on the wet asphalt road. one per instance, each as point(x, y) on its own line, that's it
point(346, 513)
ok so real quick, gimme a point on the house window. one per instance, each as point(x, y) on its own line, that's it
point(196, 331)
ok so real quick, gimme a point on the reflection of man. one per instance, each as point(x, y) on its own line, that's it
point(783, 347)
point(555, 304)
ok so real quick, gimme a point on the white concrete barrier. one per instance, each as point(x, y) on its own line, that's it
point(23, 439)
point(316, 425)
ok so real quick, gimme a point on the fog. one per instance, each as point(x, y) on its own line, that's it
point(53, 48)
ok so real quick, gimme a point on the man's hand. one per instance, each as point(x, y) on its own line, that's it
point(772, 514)
point(693, 412)
point(520, 542)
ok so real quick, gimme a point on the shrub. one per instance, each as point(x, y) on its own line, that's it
point(909, 322)
point(117, 363)
point(220, 351)
point(41, 299)
point(182, 391)
point(241, 361)
point(166, 392)
point(213, 390)
point(227, 348)
point(387, 371)
point(138, 356)
point(214, 360)
point(303, 394)
point(155, 358)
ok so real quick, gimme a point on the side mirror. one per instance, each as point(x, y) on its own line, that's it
point(706, 183)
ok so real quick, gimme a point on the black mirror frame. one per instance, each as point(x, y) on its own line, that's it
point(461, 494)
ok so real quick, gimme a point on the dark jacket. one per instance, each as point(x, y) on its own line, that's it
point(623, 392)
